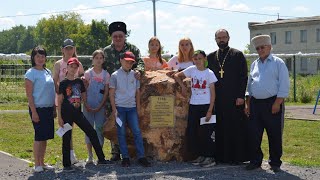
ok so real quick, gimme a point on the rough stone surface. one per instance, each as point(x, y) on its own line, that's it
point(161, 143)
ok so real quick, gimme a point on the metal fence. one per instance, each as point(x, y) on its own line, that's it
point(12, 75)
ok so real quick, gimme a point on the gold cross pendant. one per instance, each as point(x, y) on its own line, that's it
point(221, 73)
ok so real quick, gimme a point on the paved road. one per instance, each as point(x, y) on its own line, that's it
point(302, 112)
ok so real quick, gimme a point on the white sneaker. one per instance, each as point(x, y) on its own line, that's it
point(89, 160)
point(199, 160)
point(208, 162)
point(73, 159)
point(38, 169)
point(48, 167)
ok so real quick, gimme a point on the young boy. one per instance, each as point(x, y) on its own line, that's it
point(125, 102)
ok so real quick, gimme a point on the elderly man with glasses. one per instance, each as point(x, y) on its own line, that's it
point(268, 86)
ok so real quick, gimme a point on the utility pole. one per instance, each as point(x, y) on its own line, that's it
point(154, 18)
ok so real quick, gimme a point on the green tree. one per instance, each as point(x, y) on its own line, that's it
point(93, 36)
point(26, 42)
point(246, 50)
point(18, 39)
point(52, 31)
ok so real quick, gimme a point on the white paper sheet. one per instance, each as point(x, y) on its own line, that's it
point(212, 120)
point(61, 131)
point(119, 122)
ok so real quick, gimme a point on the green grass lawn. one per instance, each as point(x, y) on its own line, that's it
point(301, 142)
point(17, 139)
point(14, 106)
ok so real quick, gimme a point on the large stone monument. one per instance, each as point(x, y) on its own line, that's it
point(163, 118)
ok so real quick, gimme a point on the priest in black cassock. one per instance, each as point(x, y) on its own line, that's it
point(230, 67)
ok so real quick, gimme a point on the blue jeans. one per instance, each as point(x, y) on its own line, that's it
point(130, 116)
point(97, 120)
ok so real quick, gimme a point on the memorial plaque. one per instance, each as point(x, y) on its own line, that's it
point(162, 111)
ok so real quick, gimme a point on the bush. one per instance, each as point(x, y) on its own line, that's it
point(305, 97)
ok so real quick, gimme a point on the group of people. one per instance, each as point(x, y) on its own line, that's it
point(219, 84)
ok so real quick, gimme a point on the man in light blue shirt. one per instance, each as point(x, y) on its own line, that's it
point(268, 85)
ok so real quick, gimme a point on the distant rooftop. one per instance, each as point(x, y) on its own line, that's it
point(283, 21)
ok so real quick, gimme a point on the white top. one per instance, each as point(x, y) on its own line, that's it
point(174, 64)
point(200, 84)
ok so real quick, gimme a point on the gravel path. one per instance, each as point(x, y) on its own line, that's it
point(304, 112)
point(13, 168)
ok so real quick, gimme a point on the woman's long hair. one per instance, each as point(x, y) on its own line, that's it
point(159, 50)
point(181, 57)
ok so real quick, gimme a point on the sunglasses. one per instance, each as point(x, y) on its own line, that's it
point(260, 48)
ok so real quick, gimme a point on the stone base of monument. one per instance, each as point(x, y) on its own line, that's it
point(163, 118)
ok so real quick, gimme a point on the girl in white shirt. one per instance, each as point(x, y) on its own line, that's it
point(200, 138)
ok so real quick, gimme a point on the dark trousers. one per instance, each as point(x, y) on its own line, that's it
point(261, 118)
point(78, 118)
point(199, 141)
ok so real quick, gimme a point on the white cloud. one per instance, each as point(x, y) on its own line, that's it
point(300, 9)
point(186, 25)
point(271, 8)
point(141, 18)
point(6, 23)
point(88, 14)
point(219, 4)
point(239, 7)
point(113, 2)
point(48, 14)
point(20, 13)
point(145, 15)
point(163, 15)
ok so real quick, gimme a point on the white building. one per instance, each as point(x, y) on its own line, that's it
point(291, 36)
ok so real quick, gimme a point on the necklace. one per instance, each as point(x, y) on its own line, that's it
point(221, 72)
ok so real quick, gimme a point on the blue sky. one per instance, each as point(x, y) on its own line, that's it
point(174, 21)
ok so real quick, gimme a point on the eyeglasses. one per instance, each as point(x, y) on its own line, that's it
point(260, 48)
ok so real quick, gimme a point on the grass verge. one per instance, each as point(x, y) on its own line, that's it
point(17, 136)
point(301, 143)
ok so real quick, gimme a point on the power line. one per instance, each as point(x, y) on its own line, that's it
point(136, 2)
point(218, 9)
point(58, 12)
